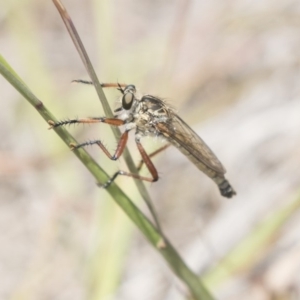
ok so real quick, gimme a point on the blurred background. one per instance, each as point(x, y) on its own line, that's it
point(232, 71)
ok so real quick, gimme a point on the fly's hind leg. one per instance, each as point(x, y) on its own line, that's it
point(139, 166)
point(146, 159)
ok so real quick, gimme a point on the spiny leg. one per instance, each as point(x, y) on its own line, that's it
point(147, 161)
point(110, 121)
point(139, 166)
point(104, 85)
point(83, 81)
point(120, 147)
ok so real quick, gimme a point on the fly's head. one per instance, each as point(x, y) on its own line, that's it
point(128, 97)
point(129, 103)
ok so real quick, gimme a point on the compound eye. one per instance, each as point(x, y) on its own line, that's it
point(127, 100)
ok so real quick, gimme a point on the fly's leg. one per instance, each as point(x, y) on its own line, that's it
point(146, 159)
point(120, 147)
point(110, 121)
point(83, 81)
point(104, 85)
point(139, 166)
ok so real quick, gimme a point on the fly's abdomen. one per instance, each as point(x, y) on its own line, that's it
point(225, 188)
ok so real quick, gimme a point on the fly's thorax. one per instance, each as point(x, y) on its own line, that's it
point(155, 107)
point(144, 123)
point(150, 111)
point(129, 126)
point(137, 117)
point(144, 114)
point(154, 110)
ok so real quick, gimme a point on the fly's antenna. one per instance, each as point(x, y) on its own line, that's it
point(120, 88)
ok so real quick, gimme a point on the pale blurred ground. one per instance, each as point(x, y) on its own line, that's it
point(232, 69)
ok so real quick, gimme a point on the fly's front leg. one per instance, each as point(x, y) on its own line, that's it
point(110, 121)
point(104, 85)
point(146, 159)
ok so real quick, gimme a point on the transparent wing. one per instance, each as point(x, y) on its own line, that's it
point(185, 136)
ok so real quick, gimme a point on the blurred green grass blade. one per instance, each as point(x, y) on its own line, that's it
point(195, 285)
point(9, 72)
point(250, 249)
point(107, 262)
point(85, 59)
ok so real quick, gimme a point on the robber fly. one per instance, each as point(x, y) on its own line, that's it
point(150, 116)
